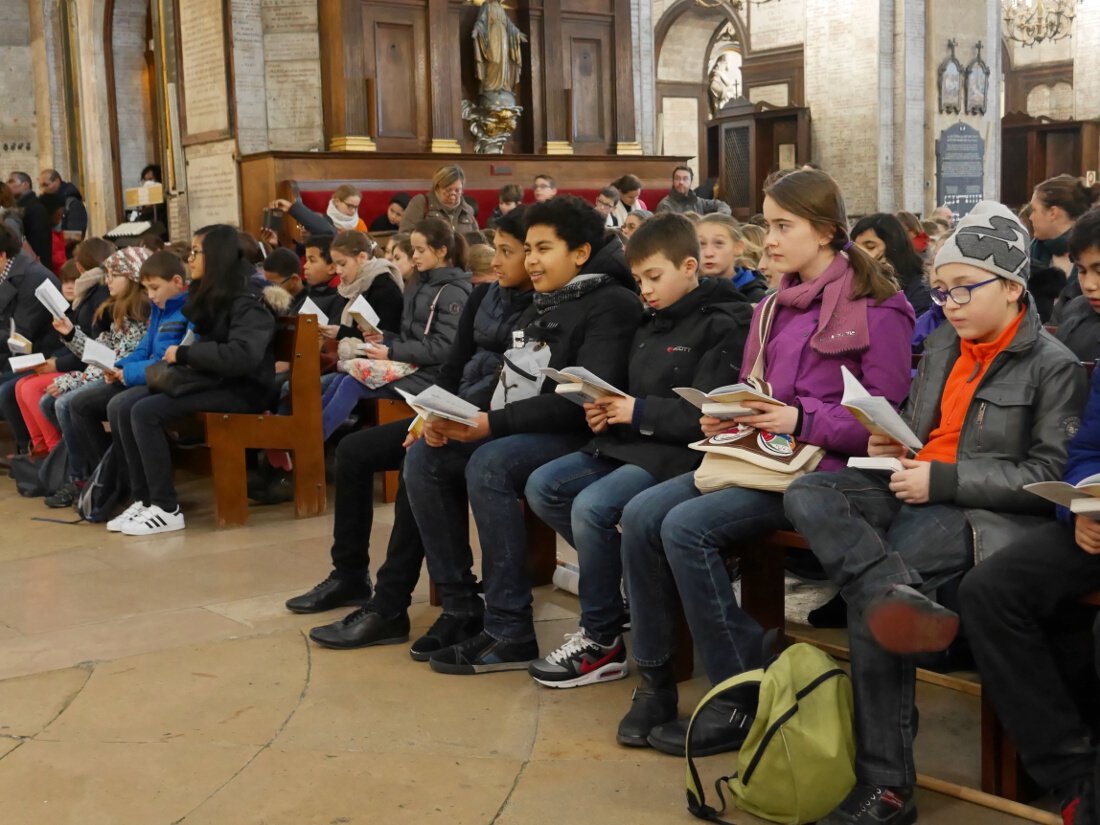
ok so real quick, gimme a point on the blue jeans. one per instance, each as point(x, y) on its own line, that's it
point(492, 474)
point(866, 539)
point(673, 537)
point(81, 414)
point(340, 397)
point(582, 497)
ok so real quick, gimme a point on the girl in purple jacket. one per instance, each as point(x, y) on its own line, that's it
point(835, 307)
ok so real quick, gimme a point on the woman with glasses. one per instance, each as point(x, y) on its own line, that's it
point(444, 201)
point(995, 401)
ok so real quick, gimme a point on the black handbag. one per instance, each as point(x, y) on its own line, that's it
point(176, 380)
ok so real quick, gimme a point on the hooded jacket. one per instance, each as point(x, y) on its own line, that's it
point(166, 329)
point(593, 331)
point(427, 205)
point(696, 342)
point(429, 324)
point(1023, 413)
point(18, 303)
point(1080, 329)
point(609, 258)
point(76, 215)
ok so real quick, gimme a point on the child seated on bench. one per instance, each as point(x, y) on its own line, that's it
point(228, 368)
point(1079, 326)
point(995, 401)
point(484, 333)
point(693, 335)
point(836, 307)
point(581, 317)
point(408, 357)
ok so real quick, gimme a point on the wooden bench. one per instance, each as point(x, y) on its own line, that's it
point(228, 435)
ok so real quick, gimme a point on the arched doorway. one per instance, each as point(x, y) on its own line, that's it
point(698, 48)
point(135, 133)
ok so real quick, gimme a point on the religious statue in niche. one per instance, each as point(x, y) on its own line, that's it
point(724, 82)
point(951, 87)
point(499, 61)
point(977, 84)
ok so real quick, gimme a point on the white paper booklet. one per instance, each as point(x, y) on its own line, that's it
point(364, 315)
point(310, 308)
point(17, 344)
point(22, 363)
point(1082, 497)
point(580, 385)
point(876, 413)
point(726, 402)
point(885, 463)
point(436, 402)
point(51, 298)
point(98, 355)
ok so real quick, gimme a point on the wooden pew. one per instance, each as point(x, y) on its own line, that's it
point(228, 435)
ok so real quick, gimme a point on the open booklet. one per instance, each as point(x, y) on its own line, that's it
point(436, 402)
point(51, 298)
point(310, 308)
point(98, 355)
point(580, 385)
point(18, 344)
point(726, 402)
point(1082, 497)
point(22, 363)
point(876, 413)
point(364, 316)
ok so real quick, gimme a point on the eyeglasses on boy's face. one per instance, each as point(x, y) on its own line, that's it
point(959, 294)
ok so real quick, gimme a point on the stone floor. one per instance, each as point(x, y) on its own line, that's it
point(157, 681)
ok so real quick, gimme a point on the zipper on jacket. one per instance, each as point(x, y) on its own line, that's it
point(981, 419)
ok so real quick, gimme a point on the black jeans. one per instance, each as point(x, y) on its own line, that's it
point(359, 456)
point(88, 441)
point(137, 420)
point(1014, 606)
point(9, 409)
point(866, 539)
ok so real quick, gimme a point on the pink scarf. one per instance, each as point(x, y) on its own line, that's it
point(842, 323)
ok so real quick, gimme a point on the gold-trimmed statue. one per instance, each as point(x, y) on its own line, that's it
point(499, 61)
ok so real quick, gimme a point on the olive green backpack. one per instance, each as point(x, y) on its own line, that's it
point(796, 764)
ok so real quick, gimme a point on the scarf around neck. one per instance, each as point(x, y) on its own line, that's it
point(368, 273)
point(580, 286)
point(340, 220)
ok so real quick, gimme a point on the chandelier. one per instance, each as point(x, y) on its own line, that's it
point(1033, 21)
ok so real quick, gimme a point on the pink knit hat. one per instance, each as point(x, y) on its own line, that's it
point(126, 263)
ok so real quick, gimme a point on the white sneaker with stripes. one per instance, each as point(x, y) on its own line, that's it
point(116, 524)
point(153, 520)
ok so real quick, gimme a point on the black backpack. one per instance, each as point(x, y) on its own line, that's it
point(42, 476)
point(103, 494)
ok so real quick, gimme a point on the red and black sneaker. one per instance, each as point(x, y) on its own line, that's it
point(871, 805)
point(581, 661)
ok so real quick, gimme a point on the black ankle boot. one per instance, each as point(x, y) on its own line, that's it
point(653, 703)
point(722, 726)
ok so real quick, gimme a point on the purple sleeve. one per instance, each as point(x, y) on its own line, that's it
point(885, 370)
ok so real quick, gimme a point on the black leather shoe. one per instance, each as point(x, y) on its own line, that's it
point(448, 630)
point(332, 592)
point(653, 703)
point(871, 805)
point(834, 613)
point(721, 727)
point(905, 621)
point(363, 628)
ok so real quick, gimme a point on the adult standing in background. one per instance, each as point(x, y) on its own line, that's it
point(76, 216)
point(683, 199)
point(36, 223)
point(444, 201)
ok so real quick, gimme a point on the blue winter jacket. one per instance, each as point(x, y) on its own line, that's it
point(1084, 450)
point(166, 328)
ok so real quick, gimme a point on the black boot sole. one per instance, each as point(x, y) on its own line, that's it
point(359, 601)
point(632, 741)
point(395, 640)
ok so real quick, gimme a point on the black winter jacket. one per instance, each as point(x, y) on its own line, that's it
point(32, 320)
point(84, 318)
point(484, 333)
point(594, 332)
point(1080, 329)
point(696, 342)
point(37, 229)
point(238, 347)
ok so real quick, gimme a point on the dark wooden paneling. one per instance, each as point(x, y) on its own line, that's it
point(1019, 82)
point(588, 50)
point(394, 52)
point(625, 130)
point(776, 66)
point(590, 7)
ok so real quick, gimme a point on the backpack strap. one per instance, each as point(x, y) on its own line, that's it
point(697, 802)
